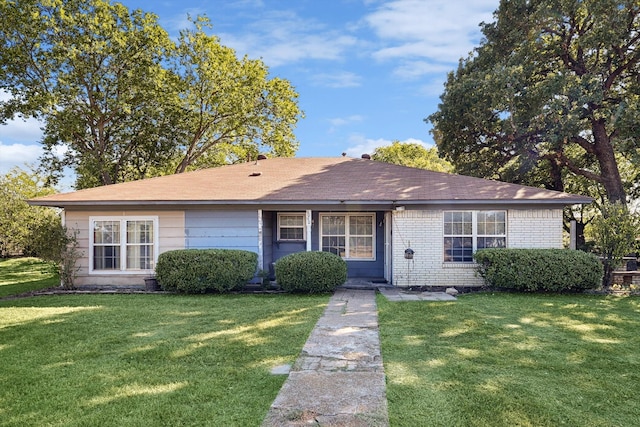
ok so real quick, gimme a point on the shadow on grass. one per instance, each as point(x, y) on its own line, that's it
point(507, 359)
point(20, 275)
point(148, 359)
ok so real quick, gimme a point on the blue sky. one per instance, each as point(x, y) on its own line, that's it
point(367, 71)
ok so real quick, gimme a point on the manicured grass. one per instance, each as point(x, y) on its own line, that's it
point(18, 275)
point(148, 360)
point(512, 360)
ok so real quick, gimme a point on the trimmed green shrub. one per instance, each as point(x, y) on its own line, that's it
point(202, 270)
point(530, 270)
point(311, 272)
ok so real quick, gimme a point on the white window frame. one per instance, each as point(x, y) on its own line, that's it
point(474, 232)
point(123, 243)
point(303, 217)
point(346, 257)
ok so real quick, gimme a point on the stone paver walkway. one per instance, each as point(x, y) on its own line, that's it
point(338, 379)
point(394, 294)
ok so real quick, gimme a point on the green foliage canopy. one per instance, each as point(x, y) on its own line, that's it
point(124, 101)
point(227, 104)
point(25, 229)
point(412, 155)
point(553, 89)
point(615, 233)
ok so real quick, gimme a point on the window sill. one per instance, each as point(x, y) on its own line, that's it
point(459, 265)
point(121, 272)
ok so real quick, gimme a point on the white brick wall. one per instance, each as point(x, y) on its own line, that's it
point(540, 228)
point(422, 231)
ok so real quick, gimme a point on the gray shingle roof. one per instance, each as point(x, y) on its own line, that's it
point(310, 180)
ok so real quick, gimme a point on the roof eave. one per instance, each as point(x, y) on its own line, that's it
point(105, 203)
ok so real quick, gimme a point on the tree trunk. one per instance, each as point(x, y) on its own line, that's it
point(607, 279)
point(608, 166)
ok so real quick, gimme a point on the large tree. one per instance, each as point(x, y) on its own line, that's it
point(229, 108)
point(123, 101)
point(552, 91)
point(91, 70)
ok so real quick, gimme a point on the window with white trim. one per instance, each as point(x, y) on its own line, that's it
point(291, 226)
point(352, 236)
point(467, 231)
point(122, 244)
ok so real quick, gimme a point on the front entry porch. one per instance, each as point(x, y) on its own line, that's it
point(362, 239)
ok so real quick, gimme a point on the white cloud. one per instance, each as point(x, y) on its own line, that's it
point(337, 80)
point(21, 130)
point(438, 31)
point(342, 121)
point(436, 22)
point(362, 145)
point(282, 37)
point(414, 69)
point(20, 155)
point(182, 21)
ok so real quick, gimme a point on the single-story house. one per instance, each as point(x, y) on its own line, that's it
point(402, 225)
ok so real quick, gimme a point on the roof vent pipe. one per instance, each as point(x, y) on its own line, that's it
point(366, 156)
point(262, 157)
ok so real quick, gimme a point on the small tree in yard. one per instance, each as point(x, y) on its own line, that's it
point(58, 245)
point(615, 234)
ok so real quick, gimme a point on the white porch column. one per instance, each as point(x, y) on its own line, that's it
point(309, 230)
point(260, 248)
point(388, 248)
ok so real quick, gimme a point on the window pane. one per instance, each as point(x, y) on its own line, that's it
point(291, 227)
point(361, 247)
point(350, 236)
point(139, 257)
point(139, 244)
point(106, 232)
point(491, 223)
point(106, 258)
point(291, 233)
point(457, 228)
point(139, 231)
point(334, 244)
point(458, 249)
point(491, 242)
point(448, 228)
point(333, 225)
point(458, 223)
point(292, 220)
point(361, 225)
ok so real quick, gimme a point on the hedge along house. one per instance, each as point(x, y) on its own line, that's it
point(405, 226)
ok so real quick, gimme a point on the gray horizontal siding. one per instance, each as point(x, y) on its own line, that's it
point(221, 230)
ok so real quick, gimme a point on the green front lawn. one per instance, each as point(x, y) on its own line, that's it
point(138, 360)
point(19, 275)
point(512, 360)
point(148, 360)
